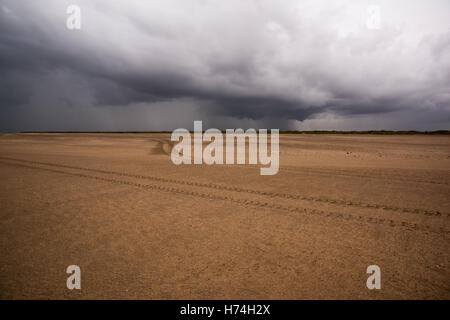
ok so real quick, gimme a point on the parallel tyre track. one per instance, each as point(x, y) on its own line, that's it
point(245, 190)
point(159, 149)
point(347, 174)
point(237, 201)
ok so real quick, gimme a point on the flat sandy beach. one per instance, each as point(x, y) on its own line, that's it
point(141, 227)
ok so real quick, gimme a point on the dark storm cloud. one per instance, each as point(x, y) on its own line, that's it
point(219, 60)
point(258, 107)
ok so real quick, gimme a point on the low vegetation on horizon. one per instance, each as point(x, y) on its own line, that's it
point(387, 132)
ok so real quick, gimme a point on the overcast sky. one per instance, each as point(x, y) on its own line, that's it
point(159, 65)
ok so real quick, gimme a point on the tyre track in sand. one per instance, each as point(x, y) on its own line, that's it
point(365, 176)
point(270, 194)
point(237, 201)
point(164, 146)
